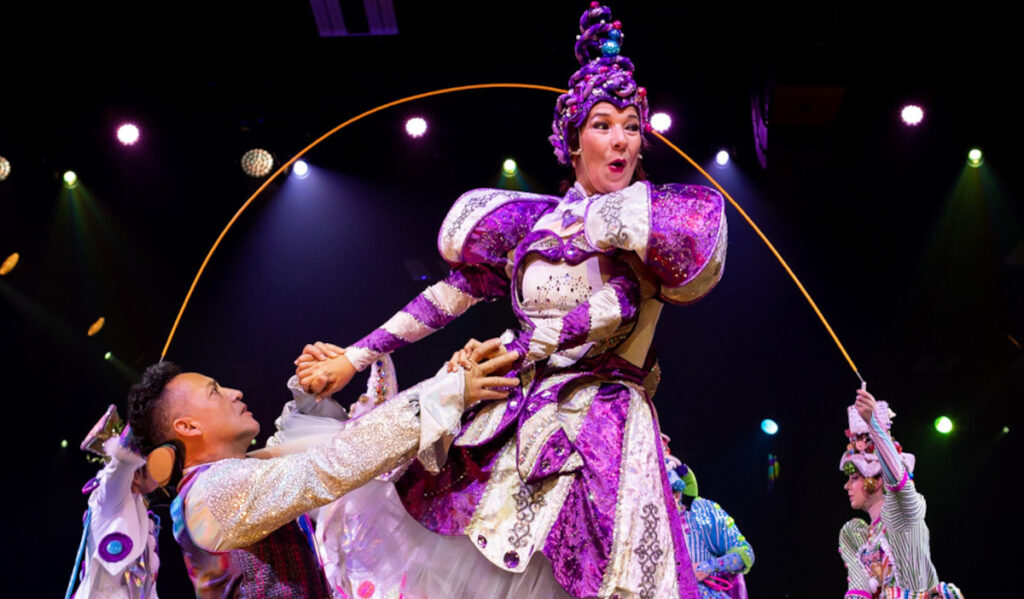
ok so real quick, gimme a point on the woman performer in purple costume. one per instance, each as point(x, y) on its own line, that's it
point(570, 464)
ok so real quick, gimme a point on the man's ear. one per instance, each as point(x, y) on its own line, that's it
point(186, 426)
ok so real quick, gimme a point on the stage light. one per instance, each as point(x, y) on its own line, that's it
point(63, 443)
point(107, 356)
point(416, 126)
point(5, 168)
point(722, 158)
point(253, 442)
point(944, 425)
point(974, 157)
point(1006, 430)
point(257, 163)
point(661, 121)
point(9, 263)
point(96, 326)
point(769, 426)
point(509, 167)
point(128, 134)
point(301, 169)
point(912, 115)
point(70, 179)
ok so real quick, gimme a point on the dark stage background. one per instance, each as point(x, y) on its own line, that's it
point(915, 257)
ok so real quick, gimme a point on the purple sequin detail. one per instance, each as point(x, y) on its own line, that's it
point(90, 486)
point(580, 542)
point(381, 342)
point(500, 231)
point(115, 546)
point(511, 559)
point(556, 451)
point(445, 503)
point(426, 312)
point(551, 247)
point(685, 225)
point(479, 281)
point(575, 326)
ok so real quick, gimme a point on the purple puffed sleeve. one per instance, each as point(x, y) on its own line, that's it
point(481, 228)
point(679, 231)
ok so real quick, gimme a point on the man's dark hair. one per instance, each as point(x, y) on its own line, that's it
point(147, 406)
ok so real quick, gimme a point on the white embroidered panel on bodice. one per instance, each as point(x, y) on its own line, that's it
point(551, 290)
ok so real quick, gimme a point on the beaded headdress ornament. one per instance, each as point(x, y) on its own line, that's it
point(605, 76)
point(860, 453)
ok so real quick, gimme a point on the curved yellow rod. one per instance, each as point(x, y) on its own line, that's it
point(316, 142)
point(771, 247)
point(462, 88)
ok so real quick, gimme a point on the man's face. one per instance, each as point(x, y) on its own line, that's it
point(860, 499)
point(217, 411)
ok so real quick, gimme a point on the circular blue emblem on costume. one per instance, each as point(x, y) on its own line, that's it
point(115, 546)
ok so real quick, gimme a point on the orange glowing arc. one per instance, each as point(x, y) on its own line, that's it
point(97, 326)
point(284, 167)
point(9, 263)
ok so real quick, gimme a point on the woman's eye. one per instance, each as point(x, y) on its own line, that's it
point(633, 127)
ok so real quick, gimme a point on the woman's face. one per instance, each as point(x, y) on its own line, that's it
point(609, 148)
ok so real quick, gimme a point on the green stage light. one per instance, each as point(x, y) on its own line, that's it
point(944, 425)
point(70, 179)
point(974, 157)
point(509, 167)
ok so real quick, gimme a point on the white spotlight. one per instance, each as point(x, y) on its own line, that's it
point(300, 169)
point(912, 115)
point(128, 134)
point(416, 126)
point(661, 121)
point(722, 158)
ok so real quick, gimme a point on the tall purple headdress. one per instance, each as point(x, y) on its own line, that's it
point(605, 76)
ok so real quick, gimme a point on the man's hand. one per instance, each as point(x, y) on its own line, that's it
point(323, 369)
point(865, 404)
point(483, 380)
point(463, 356)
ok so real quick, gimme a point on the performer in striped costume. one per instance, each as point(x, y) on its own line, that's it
point(890, 557)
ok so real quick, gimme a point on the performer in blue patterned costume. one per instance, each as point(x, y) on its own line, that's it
point(721, 554)
point(570, 466)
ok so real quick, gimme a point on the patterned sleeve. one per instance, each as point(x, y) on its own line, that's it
point(679, 231)
point(430, 311)
point(851, 537)
point(116, 510)
point(905, 506)
point(892, 466)
point(616, 303)
point(237, 502)
point(734, 553)
point(481, 228)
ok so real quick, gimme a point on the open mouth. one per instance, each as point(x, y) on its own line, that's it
point(618, 165)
